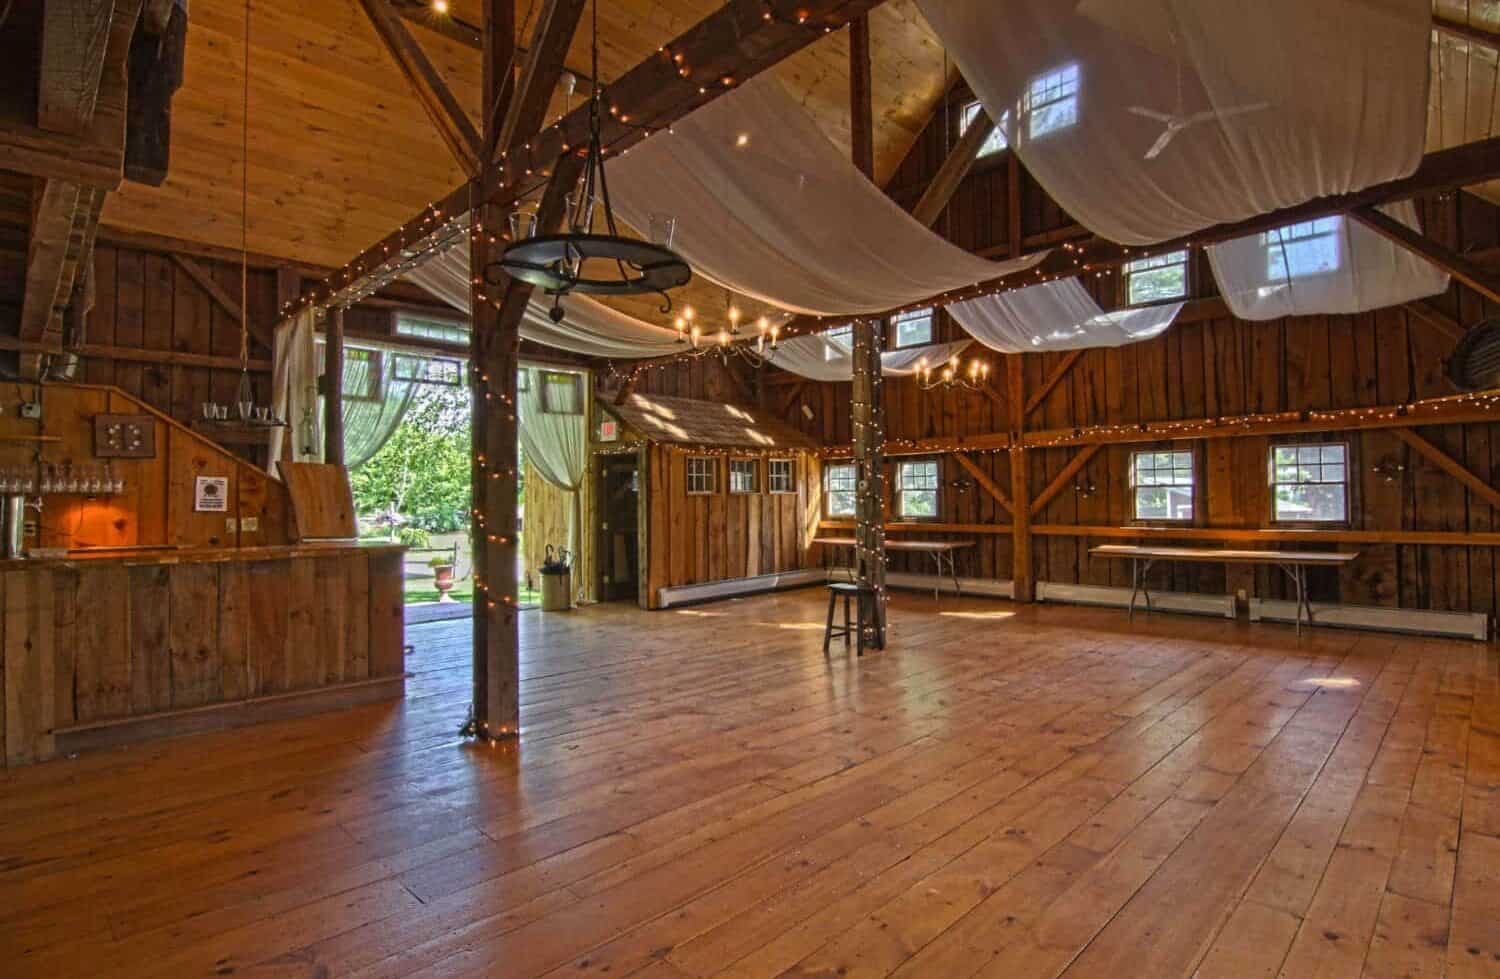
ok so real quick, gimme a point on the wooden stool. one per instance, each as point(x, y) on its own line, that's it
point(866, 613)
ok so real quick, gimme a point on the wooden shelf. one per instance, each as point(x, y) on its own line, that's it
point(30, 438)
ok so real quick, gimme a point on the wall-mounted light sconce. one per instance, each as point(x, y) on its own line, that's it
point(1085, 488)
point(1388, 469)
point(960, 485)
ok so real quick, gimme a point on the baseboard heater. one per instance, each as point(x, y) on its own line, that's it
point(709, 591)
point(1221, 606)
point(1464, 625)
point(988, 587)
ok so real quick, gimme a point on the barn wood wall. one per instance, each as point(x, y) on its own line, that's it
point(1208, 364)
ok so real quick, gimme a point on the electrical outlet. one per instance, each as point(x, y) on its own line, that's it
point(250, 525)
point(31, 409)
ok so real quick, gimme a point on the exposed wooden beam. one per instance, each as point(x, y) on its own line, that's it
point(553, 35)
point(333, 388)
point(1023, 583)
point(157, 58)
point(1063, 478)
point(983, 479)
point(442, 108)
point(951, 174)
point(1438, 320)
point(65, 217)
point(1449, 465)
point(1053, 380)
point(626, 389)
point(861, 112)
point(453, 28)
point(737, 41)
point(222, 299)
point(791, 396)
point(156, 14)
point(1469, 32)
point(101, 351)
point(75, 36)
point(1480, 280)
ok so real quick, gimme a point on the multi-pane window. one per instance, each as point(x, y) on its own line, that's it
point(1051, 101)
point(444, 331)
point(917, 489)
point(1303, 249)
point(702, 475)
point(840, 341)
point(914, 328)
point(1156, 279)
point(1162, 483)
point(744, 476)
point(441, 371)
point(780, 476)
point(1310, 482)
point(562, 393)
point(993, 143)
point(840, 483)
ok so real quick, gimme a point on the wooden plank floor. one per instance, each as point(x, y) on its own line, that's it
point(1007, 792)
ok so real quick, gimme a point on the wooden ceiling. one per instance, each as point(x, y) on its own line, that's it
point(341, 152)
point(1463, 98)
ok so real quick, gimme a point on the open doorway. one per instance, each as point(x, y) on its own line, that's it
point(619, 524)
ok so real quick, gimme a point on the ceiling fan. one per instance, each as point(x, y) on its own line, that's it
point(1178, 120)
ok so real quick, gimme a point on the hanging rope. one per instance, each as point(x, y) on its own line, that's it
point(245, 210)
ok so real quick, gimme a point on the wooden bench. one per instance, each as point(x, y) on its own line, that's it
point(1294, 563)
point(941, 551)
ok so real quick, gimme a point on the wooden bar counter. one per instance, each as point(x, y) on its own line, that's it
point(109, 647)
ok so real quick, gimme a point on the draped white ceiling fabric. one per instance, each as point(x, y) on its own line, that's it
point(1330, 265)
point(589, 328)
point(822, 359)
point(767, 206)
point(1057, 315)
point(1268, 103)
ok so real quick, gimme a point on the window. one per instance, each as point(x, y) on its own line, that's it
point(702, 475)
point(441, 371)
point(780, 476)
point(744, 476)
point(443, 331)
point(1302, 249)
point(362, 369)
point(1163, 485)
point(917, 490)
point(523, 380)
point(840, 483)
point(914, 328)
point(1051, 102)
point(562, 393)
point(840, 342)
point(1310, 482)
point(1157, 279)
point(995, 142)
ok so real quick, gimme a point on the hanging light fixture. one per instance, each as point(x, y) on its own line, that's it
point(559, 263)
point(951, 375)
point(724, 341)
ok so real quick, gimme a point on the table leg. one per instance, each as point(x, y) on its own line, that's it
point(937, 558)
point(1135, 586)
point(1298, 574)
point(953, 570)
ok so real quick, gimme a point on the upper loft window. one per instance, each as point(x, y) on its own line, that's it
point(840, 342)
point(1156, 279)
point(562, 393)
point(1303, 249)
point(994, 143)
point(431, 328)
point(1051, 101)
point(914, 328)
point(438, 371)
point(362, 372)
point(1310, 483)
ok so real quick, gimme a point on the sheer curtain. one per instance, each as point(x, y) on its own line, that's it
point(1331, 265)
point(368, 424)
point(1058, 315)
point(1150, 119)
point(294, 391)
point(821, 358)
point(554, 442)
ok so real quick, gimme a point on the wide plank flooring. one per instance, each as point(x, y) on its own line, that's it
point(1007, 792)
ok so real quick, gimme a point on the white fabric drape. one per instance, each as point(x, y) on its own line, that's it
point(556, 444)
point(294, 391)
point(767, 206)
point(1058, 315)
point(820, 359)
point(1331, 265)
point(590, 328)
point(368, 425)
point(1283, 100)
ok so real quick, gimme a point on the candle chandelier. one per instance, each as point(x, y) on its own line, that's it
point(951, 375)
point(571, 262)
point(725, 341)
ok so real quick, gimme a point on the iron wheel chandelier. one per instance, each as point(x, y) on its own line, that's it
point(557, 263)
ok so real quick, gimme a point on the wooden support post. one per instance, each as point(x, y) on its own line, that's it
point(868, 415)
point(1023, 587)
point(333, 388)
point(496, 704)
point(861, 115)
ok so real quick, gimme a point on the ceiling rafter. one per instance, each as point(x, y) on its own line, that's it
point(543, 67)
point(1481, 280)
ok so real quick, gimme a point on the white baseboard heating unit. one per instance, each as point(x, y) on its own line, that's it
point(1161, 601)
point(1464, 625)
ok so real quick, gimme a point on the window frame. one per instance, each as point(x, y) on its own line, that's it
point(1037, 86)
point(1133, 472)
point(1126, 272)
point(711, 473)
point(900, 490)
point(791, 476)
point(754, 470)
point(1348, 483)
point(927, 313)
point(546, 380)
point(995, 143)
point(1275, 241)
point(423, 327)
point(828, 475)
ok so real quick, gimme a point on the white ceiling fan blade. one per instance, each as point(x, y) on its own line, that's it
point(1235, 110)
point(1152, 114)
point(1160, 144)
